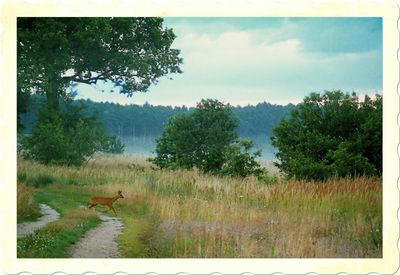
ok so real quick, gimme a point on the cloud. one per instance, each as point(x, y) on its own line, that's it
point(280, 60)
point(326, 34)
point(241, 58)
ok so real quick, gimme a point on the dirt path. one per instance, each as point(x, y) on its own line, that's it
point(99, 242)
point(27, 228)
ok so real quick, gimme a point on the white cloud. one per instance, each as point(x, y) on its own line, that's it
point(234, 58)
point(249, 66)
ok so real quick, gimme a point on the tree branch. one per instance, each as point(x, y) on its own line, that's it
point(89, 81)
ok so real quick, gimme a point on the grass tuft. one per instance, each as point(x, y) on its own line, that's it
point(40, 180)
point(27, 208)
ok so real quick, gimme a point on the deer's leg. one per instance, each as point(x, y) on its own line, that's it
point(109, 207)
point(113, 210)
point(90, 205)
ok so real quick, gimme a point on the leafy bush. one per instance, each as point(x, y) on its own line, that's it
point(198, 139)
point(206, 139)
point(48, 143)
point(176, 146)
point(113, 145)
point(67, 137)
point(333, 134)
point(240, 162)
point(346, 162)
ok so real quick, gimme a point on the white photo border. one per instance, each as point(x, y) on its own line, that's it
point(10, 10)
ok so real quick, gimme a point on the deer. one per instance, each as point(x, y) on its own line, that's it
point(107, 201)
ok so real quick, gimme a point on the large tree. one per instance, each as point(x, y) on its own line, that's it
point(206, 139)
point(66, 137)
point(53, 53)
point(331, 134)
point(197, 139)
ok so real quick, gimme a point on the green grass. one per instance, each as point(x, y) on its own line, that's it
point(53, 240)
point(62, 198)
point(53, 243)
point(40, 180)
point(139, 238)
point(130, 243)
point(31, 217)
point(34, 215)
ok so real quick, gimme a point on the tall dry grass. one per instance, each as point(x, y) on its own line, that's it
point(25, 204)
point(189, 214)
point(297, 219)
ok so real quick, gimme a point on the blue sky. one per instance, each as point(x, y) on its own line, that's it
point(279, 60)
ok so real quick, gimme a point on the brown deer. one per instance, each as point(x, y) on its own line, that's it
point(105, 201)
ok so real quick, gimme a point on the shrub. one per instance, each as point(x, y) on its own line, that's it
point(113, 145)
point(198, 139)
point(206, 139)
point(240, 162)
point(328, 135)
point(346, 162)
point(67, 137)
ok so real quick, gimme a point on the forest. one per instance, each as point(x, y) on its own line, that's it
point(137, 126)
point(148, 120)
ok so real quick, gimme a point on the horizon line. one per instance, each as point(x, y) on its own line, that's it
point(193, 105)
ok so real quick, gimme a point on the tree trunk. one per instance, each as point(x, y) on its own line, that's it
point(52, 95)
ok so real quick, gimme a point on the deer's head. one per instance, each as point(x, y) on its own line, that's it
point(120, 194)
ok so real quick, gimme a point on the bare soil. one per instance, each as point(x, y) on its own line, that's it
point(99, 242)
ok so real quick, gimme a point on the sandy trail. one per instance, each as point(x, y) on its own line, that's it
point(99, 242)
point(27, 228)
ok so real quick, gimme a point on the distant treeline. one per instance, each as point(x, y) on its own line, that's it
point(148, 120)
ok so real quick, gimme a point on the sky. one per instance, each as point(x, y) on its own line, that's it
point(245, 61)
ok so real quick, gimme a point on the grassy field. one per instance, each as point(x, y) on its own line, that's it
point(188, 214)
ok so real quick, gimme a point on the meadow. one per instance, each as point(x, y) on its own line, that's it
point(187, 214)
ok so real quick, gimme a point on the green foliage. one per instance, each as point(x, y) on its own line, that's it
point(259, 119)
point(176, 146)
point(240, 162)
point(206, 139)
point(213, 132)
point(23, 100)
point(47, 144)
point(198, 139)
point(113, 145)
point(149, 120)
point(345, 162)
point(132, 52)
point(332, 134)
point(67, 137)
point(55, 53)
